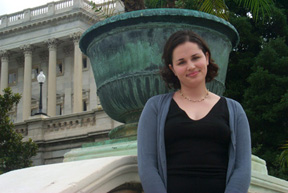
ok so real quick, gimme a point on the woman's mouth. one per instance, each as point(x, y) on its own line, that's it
point(192, 74)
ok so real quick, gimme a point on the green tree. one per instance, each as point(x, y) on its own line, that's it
point(266, 101)
point(256, 77)
point(252, 36)
point(214, 7)
point(14, 153)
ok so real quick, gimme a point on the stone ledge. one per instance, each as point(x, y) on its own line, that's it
point(94, 175)
point(261, 182)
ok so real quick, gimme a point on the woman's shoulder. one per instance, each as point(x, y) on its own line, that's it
point(160, 98)
point(157, 103)
point(232, 101)
point(233, 105)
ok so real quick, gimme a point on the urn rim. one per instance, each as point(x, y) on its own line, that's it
point(159, 15)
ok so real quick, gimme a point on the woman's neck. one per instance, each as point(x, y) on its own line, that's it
point(194, 93)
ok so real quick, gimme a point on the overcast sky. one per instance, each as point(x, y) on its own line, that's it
point(12, 6)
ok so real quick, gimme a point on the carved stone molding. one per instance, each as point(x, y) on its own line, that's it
point(23, 131)
point(52, 43)
point(27, 48)
point(36, 22)
point(70, 124)
point(76, 37)
point(68, 50)
point(4, 53)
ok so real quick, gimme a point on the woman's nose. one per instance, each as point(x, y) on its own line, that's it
point(190, 65)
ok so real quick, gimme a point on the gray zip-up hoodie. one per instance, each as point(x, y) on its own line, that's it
point(151, 147)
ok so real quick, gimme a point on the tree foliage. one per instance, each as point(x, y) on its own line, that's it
point(266, 100)
point(258, 78)
point(14, 153)
point(219, 8)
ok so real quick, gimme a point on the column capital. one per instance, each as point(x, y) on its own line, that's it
point(4, 54)
point(76, 37)
point(27, 48)
point(52, 43)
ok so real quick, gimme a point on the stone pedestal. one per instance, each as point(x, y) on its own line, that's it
point(261, 182)
point(106, 174)
point(94, 175)
point(107, 148)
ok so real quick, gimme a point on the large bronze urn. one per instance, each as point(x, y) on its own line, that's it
point(125, 52)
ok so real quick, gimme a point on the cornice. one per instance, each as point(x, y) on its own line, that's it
point(78, 13)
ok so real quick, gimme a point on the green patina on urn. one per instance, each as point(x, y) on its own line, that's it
point(125, 52)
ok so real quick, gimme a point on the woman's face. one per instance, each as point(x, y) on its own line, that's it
point(189, 64)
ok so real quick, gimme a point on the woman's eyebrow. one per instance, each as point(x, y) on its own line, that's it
point(195, 54)
point(180, 59)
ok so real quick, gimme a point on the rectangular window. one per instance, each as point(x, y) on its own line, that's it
point(58, 109)
point(84, 105)
point(35, 72)
point(84, 61)
point(12, 78)
point(60, 68)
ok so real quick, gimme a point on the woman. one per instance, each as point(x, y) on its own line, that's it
point(192, 140)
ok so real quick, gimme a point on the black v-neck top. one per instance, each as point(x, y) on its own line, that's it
point(197, 149)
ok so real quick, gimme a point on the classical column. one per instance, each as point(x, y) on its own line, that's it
point(69, 53)
point(77, 78)
point(93, 94)
point(51, 106)
point(4, 70)
point(27, 81)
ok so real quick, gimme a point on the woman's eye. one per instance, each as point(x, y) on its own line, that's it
point(195, 58)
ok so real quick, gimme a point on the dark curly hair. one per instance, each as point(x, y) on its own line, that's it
point(176, 39)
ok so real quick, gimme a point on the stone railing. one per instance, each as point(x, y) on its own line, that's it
point(42, 128)
point(39, 11)
point(63, 4)
point(48, 10)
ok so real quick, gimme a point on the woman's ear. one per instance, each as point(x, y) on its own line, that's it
point(172, 69)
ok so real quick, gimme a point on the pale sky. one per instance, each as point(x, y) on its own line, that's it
point(12, 6)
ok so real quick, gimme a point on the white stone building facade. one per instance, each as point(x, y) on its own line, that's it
point(47, 38)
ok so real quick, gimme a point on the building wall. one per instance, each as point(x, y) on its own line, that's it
point(49, 36)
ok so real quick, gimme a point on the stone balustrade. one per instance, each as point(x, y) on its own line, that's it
point(63, 4)
point(48, 10)
point(56, 136)
point(39, 11)
point(65, 125)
